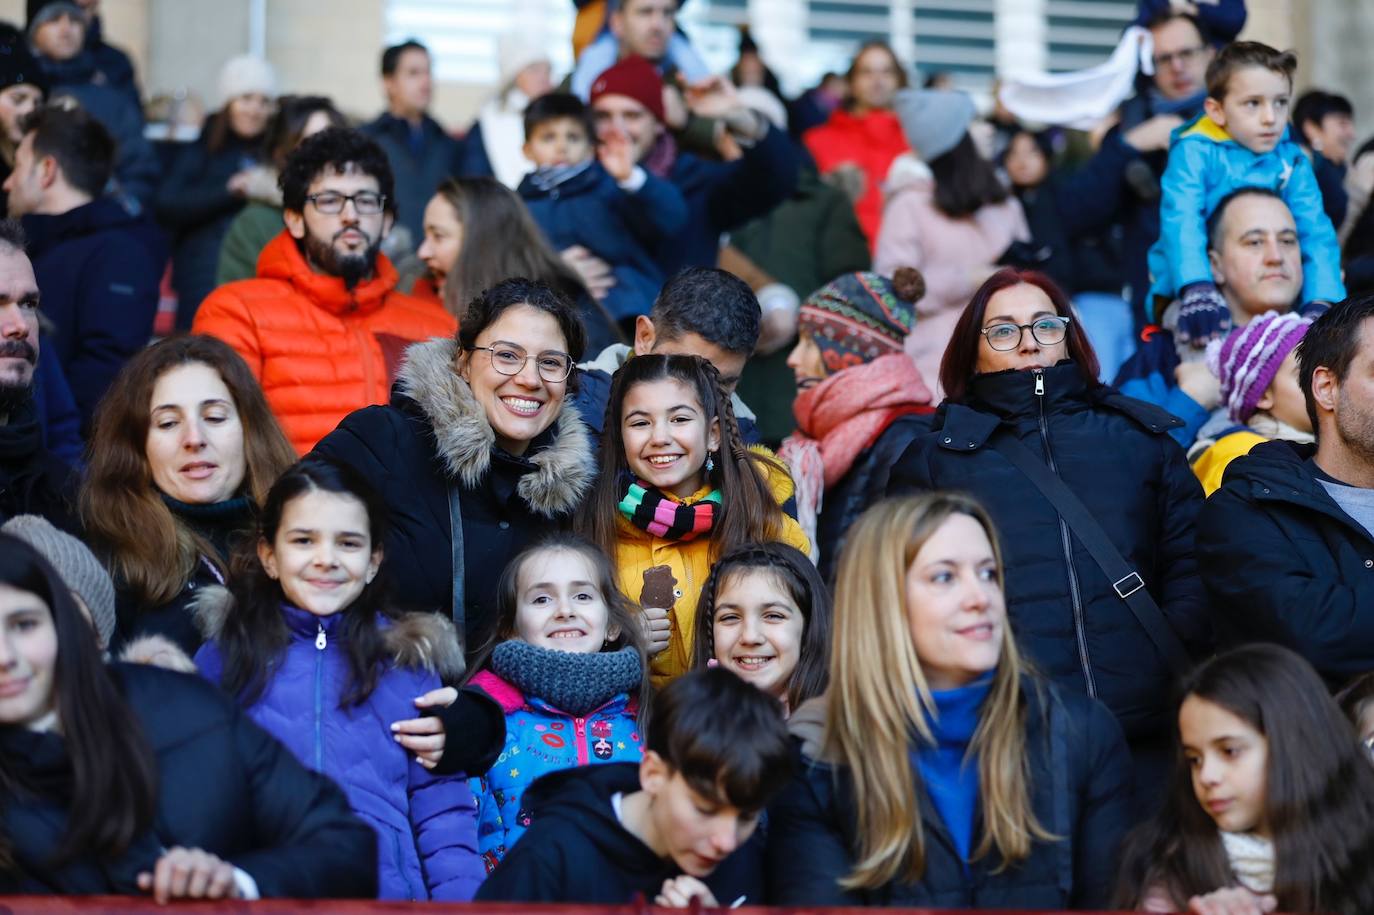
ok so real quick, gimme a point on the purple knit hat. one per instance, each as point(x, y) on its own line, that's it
point(1248, 359)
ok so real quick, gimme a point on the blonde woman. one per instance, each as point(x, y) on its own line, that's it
point(946, 773)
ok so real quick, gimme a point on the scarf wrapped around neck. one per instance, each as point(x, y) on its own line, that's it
point(570, 682)
point(664, 517)
point(838, 419)
point(1251, 858)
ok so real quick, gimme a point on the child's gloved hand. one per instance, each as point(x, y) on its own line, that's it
point(1203, 315)
point(1314, 310)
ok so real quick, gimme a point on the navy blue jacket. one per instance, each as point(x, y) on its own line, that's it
point(1115, 453)
point(97, 269)
point(418, 174)
point(32, 479)
point(617, 226)
point(1282, 562)
point(725, 195)
point(1080, 790)
point(60, 421)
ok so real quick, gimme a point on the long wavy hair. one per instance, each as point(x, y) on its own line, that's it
point(255, 636)
point(748, 510)
point(114, 773)
point(1319, 794)
point(879, 698)
point(152, 553)
point(798, 578)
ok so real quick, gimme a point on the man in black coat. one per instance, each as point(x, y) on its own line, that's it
point(32, 480)
point(1286, 545)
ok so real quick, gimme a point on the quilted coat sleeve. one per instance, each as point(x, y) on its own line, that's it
point(1321, 252)
point(443, 814)
point(1183, 214)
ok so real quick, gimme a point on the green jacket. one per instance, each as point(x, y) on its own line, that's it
point(254, 226)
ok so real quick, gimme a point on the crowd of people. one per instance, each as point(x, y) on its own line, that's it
point(666, 490)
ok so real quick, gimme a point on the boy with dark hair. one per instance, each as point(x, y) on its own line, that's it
point(1241, 140)
point(672, 829)
point(598, 198)
point(1325, 125)
point(700, 311)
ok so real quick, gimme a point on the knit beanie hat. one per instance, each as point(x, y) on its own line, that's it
point(41, 11)
point(1248, 359)
point(75, 563)
point(17, 65)
point(246, 75)
point(860, 316)
point(515, 52)
point(635, 78)
point(934, 120)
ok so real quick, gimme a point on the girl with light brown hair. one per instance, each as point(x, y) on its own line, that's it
point(946, 772)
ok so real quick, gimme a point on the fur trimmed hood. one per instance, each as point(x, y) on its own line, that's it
point(564, 470)
point(420, 641)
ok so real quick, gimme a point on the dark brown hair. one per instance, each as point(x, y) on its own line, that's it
point(1331, 343)
point(293, 113)
point(150, 551)
point(960, 362)
point(1241, 54)
point(965, 182)
point(748, 511)
point(871, 45)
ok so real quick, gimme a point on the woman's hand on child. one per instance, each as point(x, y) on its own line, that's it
point(658, 629)
point(1234, 900)
point(678, 893)
point(425, 736)
point(189, 873)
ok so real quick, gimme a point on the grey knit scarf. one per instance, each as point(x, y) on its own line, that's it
point(569, 681)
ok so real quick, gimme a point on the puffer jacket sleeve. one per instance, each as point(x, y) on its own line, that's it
point(1180, 592)
point(1104, 812)
point(1321, 252)
point(1183, 215)
point(654, 212)
point(309, 843)
point(807, 854)
point(444, 817)
point(225, 316)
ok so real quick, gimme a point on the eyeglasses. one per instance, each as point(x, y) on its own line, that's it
point(367, 203)
point(1047, 331)
point(509, 359)
point(1184, 57)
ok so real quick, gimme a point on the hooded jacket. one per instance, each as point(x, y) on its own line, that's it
point(318, 350)
point(1116, 456)
point(99, 268)
point(576, 850)
point(223, 785)
point(1079, 789)
point(434, 435)
point(1282, 562)
point(426, 825)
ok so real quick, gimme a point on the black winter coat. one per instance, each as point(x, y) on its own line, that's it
point(224, 786)
point(575, 850)
point(1282, 562)
point(434, 435)
point(417, 176)
point(1116, 455)
point(32, 480)
point(1080, 790)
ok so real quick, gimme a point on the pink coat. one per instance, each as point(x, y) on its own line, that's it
point(949, 252)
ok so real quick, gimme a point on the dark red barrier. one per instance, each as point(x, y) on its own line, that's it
point(126, 905)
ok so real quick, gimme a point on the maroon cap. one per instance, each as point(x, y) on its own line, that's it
point(633, 77)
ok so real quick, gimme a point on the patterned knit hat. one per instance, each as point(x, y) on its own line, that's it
point(860, 316)
point(75, 563)
point(1248, 359)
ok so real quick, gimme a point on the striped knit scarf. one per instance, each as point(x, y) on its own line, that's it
point(652, 511)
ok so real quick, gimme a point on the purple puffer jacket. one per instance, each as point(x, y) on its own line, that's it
point(426, 825)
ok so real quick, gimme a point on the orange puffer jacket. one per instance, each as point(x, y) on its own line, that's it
point(318, 350)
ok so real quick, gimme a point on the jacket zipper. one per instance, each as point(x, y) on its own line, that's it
point(321, 643)
point(580, 727)
point(1075, 596)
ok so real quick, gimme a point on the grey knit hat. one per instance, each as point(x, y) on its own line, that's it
point(934, 120)
point(75, 563)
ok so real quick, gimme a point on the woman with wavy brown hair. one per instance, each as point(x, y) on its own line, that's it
point(184, 449)
point(946, 773)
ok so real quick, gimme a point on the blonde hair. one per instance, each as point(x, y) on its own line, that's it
point(879, 697)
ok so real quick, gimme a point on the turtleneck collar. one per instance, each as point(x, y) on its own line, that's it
point(230, 511)
point(957, 712)
point(1012, 393)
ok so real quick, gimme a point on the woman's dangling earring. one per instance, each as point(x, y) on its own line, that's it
point(710, 463)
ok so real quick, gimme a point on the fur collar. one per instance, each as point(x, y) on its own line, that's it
point(421, 641)
point(563, 470)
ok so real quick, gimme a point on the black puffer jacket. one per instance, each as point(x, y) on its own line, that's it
point(1116, 455)
point(224, 786)
point(1283, 563)
point(1080, 790)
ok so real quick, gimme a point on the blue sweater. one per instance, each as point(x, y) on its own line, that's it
point(950, 779)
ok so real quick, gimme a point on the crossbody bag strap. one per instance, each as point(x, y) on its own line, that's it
point(1126, 581)
point(459, 567)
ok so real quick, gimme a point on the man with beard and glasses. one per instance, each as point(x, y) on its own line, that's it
point(1286, 545)
point(32, 480)
point(322, 326)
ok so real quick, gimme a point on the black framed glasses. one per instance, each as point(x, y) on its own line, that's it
point(1047, 331)
point(509, 359)
point(331, 203)
point(1184, 57)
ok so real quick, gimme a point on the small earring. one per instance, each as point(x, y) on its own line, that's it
point(710, 463)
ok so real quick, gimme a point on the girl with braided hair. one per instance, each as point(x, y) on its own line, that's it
point(678, 489)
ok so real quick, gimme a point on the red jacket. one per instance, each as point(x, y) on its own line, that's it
point(318, 350)
point(870, 141)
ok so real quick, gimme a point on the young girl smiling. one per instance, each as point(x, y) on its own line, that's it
point(308, 648)
point(677, 488)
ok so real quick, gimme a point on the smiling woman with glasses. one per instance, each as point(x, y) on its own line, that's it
point(1028, 430)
